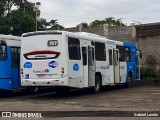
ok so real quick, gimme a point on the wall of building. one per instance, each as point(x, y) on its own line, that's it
point(94, 30)
point(150, 47)
point(121, 34)
point(146, 37)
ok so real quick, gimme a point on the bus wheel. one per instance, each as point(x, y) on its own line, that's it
point(129, 83)
point(97, 87)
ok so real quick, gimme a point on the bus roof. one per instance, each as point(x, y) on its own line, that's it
point(9, 37)
point(81, 35)
point(11, 40)
point(129, 45)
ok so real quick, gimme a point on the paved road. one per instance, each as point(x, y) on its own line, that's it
point(137, 98)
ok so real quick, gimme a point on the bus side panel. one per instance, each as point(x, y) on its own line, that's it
point(123, 72)
point(15, 77)
point(5, 72)
point(15, 53)
point(101, 66)
point(129, 69)
point(5, 84)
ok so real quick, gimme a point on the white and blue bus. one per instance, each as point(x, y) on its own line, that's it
point(9, 62)
point(77, 60)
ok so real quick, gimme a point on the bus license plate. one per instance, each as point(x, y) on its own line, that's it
point(41, 75)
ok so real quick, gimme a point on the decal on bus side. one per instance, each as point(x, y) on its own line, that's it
point(53, 64)
point(41, 71)
point(27, 76)
point(76, 67)
point(28, 65)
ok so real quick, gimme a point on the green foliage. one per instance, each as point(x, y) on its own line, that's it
point(158, 74)
point(2, 8)
point(147, 72)
point(111, 21)
point(150, 76)
point(21, 23)
point(84, 25)
point(22, 19)
point(54, 25)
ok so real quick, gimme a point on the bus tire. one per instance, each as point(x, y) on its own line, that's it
point(97, 87)
point(129, 83)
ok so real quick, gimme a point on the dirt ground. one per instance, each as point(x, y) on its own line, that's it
point(136, 98)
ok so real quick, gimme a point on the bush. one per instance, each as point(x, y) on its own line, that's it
point(158, 74)
point(147, 72)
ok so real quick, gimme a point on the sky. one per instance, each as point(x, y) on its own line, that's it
point(70, 13)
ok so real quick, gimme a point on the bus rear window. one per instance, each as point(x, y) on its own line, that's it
point(41, 55)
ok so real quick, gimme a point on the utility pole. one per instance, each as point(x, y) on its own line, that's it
point(8, 26)
point(80, 27)
point(37, 6)
point(8, 7)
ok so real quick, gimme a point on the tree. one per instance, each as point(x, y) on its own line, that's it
point(84, 25)
point(42, 24)
point(16, 21)
point(111, 21)
point(2, 7)
point(22, 19)
point(4, 25)
point(21, 22)
point(53, 24)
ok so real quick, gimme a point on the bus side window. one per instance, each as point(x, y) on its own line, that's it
point(133, 56)
point(84, 53)
point(19, 52)
point(127, 54)
point(110, 57)
point(90, 56)
point(74, 49)
point(15, 56)
point(121, 53)
point(3, 53)
point(100, 53)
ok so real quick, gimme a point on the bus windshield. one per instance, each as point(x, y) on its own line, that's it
point(3, 51)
